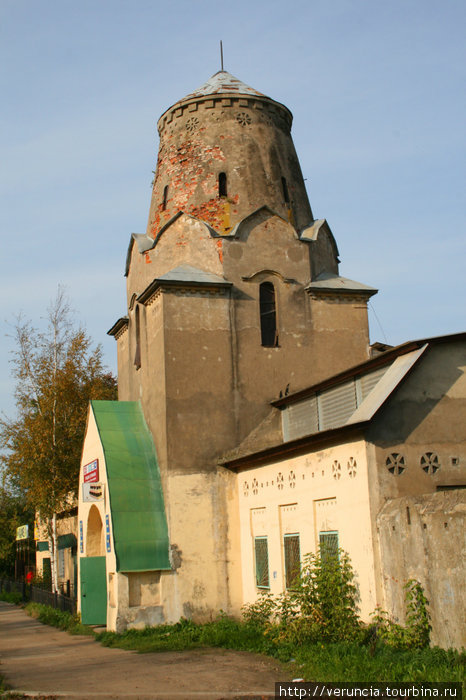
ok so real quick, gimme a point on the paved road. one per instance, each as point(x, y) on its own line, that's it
point(42, 661)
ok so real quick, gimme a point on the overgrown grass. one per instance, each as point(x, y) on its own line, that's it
point(58, 618)
point(330, 662)
point(13, 597)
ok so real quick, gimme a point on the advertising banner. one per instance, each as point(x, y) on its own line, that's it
point(91, 472)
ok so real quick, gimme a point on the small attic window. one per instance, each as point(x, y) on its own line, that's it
point(286, 195)
point(165, 197)
point(268, 315)
point(222, 184)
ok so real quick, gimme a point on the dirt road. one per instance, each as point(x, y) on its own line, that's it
point(42, 661)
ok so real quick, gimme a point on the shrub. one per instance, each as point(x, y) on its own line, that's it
point(416, 632)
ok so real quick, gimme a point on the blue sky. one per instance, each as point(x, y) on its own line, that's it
point(377, 93)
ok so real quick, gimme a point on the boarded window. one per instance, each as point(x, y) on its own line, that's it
point(328, 543)
point(292, 558)
point(261, 556)
point(222, 185)
point(268, 314)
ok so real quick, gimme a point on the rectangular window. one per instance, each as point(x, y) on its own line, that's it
point(261, 556)
point(292, 556)
point(328, 543)
point(61, 563)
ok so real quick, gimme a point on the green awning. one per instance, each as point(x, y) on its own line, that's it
point(137, 506)
point(68, 540)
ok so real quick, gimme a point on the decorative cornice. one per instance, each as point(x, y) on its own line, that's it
point(224, 100)
point(181, 287)
point(119, 327)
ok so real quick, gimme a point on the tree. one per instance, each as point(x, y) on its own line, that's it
point(13, 513)
point(57, 372)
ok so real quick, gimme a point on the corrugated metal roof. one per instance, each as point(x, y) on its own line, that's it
point(139, 523)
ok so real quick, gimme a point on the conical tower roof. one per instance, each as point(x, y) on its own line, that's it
point(223, 82)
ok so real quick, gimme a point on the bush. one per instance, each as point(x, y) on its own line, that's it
point(323, 606)
point(416, 633)
point(13, 597)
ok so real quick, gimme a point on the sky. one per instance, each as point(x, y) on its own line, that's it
point(377, 93)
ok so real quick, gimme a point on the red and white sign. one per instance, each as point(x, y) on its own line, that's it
point(91, 471)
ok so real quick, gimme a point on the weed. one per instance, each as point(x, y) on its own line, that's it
point(58, 618)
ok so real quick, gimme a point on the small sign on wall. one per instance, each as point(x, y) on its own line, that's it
point(107, 532)
point(91, 472)
point(81, 538)
point(94, 491)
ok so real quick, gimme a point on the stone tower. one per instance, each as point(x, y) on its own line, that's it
point(233, 294)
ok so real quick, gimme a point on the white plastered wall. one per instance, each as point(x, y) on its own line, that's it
point(92, 450)
point(324, 490)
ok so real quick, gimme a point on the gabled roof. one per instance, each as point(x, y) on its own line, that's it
point(137, 505)
point(381, 376)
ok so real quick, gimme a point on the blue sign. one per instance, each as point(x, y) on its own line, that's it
point(107, 533)
point(81, 539)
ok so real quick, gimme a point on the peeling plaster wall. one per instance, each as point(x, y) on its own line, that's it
point(423, 537)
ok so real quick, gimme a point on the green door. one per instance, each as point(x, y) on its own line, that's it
point(93, 591)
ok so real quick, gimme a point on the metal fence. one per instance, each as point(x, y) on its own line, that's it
point(39, 595)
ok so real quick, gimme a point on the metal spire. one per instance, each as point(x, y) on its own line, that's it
point(221, 54)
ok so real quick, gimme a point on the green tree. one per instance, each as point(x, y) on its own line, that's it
point(13, 512)
point(57, 372)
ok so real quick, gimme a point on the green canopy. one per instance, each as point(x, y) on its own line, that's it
point(140, 531)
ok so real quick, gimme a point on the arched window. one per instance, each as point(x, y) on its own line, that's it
point(165, 197)
point(137, 354)
point(222, 184)
point(268, 313)
point(286, 195)
point(95, 536)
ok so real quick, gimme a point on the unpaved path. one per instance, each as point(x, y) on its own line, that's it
point(42, 661)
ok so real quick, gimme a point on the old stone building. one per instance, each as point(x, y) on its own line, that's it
point(233, 299)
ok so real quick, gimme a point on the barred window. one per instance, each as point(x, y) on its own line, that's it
point(292, 556)
point(261, 555)
point(328, 543)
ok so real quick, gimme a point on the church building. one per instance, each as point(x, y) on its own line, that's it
point(254, 419)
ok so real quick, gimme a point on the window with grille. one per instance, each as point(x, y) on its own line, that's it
point(292, 557)
point(61, 563)
point(268, 313)
point(328, 543)
point(261, 555)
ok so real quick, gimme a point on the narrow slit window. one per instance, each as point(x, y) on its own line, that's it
point(222, 184)
point(137, 354)
point(286, 195)
point(261, 561)
point(268, 314)
point(165, 197)
point(292, 557)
